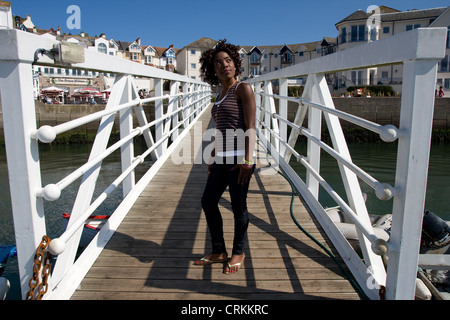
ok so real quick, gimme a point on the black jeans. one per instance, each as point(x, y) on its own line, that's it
point(219, 178)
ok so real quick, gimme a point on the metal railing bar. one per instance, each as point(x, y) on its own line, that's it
point(388, 133)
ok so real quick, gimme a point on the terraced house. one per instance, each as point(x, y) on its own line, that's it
point(358, 28)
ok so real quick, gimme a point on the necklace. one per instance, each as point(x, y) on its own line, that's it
point(226, 94)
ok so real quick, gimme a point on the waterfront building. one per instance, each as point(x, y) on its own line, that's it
point(70, 80)
point(256, 60)
point(188, 58)
point(362, 27)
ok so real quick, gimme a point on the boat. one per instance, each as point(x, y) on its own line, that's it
point(91, 227)
point(6, 252)
point(435, 240)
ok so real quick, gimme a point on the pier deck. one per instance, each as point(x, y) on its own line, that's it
point(152, 253)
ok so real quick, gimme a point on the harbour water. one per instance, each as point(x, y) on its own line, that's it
point(57, 161)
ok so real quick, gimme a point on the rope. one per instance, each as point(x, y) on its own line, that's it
point(349, 277)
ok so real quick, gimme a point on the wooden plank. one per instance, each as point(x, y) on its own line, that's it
point(151, 255)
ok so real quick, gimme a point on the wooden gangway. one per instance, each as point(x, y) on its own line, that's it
point(152, 253)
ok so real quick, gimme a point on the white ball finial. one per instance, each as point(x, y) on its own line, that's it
point(51, 192)
point(56, 246)
point(46, 134)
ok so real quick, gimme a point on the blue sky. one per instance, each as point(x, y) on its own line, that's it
point(180, 22)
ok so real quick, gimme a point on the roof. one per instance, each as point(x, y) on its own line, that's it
point(390, 14)
point(298, 47)
point(202, 43)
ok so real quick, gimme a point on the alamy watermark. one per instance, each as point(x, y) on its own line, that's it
point(74, 20)
point(373, 23)
point(198, 146)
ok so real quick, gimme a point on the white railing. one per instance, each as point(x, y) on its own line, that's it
point(28, 195)
point(419, 51)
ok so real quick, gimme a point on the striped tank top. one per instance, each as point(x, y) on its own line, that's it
point(228, 115)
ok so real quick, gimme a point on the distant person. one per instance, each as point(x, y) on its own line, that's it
point(234, 111)
point(441, 92)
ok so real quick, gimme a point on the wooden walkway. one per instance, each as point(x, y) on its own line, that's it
point(151, 255)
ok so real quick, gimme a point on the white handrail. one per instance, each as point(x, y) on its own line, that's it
point(22, 136)
point(57, 245)
point(419, 52)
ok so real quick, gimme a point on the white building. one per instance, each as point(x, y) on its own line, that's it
point(188, 58)
point(256, 60)
point(361, 27)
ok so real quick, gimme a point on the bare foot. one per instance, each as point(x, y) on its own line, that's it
point(235, 263)
point(212, 258)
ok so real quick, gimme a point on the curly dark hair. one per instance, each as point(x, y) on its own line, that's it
point(208, 56)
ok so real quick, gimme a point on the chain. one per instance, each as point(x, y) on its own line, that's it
point(46, 264)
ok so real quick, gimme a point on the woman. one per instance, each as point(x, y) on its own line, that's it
point(234, 114)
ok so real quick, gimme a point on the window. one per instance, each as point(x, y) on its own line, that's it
point(357, 77)
point(358, 33)
point(254, 71)
point(276, 55)
point(448, 37)
point(135, 46)
point(193, 66)
point(384, 74)
point(255, 57)
point(412, 26)
point(301, 53)
point(373, 34)
point(148, 59)
point(344, 35)
point(386, 30)
point(242, 56)
point(102, 48)
point(447, 83)
point(193, 51)
point(444, 65)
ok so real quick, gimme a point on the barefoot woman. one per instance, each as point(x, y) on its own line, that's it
point(234, 116)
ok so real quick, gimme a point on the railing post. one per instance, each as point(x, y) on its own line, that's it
point(257, 88)
point(159, 112)
point(419, 78)
point(18, 110)
point(173, 105)
point(311, 92)
point(185, 102)
point(283, 111)
point(126, 126)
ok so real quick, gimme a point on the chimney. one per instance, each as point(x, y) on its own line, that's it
point(138, 40)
